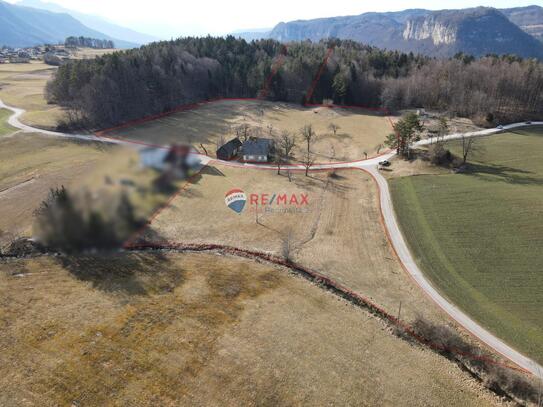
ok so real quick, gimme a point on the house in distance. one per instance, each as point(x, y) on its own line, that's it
point(229, 150)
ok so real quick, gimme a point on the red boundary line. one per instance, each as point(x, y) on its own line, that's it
point(103, 133)
point(317, 277)
point(322, 279)
point(309, 93)
point(275, 68)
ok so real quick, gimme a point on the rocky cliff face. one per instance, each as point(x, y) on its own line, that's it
point(477, 31)
point(429, 28)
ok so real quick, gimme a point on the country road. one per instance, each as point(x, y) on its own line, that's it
point(396, 238)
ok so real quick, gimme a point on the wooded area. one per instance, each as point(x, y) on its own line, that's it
point(89, 43)
point(156, 78)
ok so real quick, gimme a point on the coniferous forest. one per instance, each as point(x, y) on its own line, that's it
point(156, 78)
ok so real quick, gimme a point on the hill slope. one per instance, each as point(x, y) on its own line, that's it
point(530, 19)
point(94, 22)
point(25, 26)
point(437, 33)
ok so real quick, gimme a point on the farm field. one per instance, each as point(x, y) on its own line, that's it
point(89, 53)
point(22, 86)
point(359, 130)
point(32, 164)
point(5, 128)
point(338, 233)
point(202, 329)
point(478, 235)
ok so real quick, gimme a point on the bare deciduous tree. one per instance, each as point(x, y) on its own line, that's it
point(270, 130)
point(242, 131)
point(442, 128)
point(287, 245)
point(308, 135)
point(468, 147)
point(333, 127)
point(308, 162)
point(278, 159)
point(287, 142)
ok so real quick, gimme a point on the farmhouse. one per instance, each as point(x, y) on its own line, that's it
point(229, 150)
point(258, 150)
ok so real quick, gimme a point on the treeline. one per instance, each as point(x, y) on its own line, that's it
point(158, 77)
point(88, 43)
point(490, 89)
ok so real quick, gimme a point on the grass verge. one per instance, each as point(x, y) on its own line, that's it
point(5, 128)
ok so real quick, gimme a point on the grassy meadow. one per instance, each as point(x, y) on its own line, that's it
point(23, 86)
point(478, 235)
point(359, 130)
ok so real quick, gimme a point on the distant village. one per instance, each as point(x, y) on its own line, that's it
point(52, 54)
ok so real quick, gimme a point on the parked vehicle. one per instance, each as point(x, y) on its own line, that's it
point(384, 163)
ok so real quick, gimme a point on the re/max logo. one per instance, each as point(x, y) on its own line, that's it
point(300, 199)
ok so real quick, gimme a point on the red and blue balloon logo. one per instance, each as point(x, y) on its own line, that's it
point(235, 199)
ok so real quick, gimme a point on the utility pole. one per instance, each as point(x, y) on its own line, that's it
point(400, 311)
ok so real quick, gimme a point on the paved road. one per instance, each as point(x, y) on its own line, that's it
point(13, 121)
point(392, 226)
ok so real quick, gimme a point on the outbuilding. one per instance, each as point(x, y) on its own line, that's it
point(229, 150)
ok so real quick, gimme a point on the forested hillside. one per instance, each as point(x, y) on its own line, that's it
point(156, 78)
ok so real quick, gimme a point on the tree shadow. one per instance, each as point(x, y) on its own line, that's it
point(501, 173)
point(208, 170)
point(132, 274)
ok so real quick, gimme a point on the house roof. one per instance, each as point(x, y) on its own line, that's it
point(259, 146)
point(231, 146)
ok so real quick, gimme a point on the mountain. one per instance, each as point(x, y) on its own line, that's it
point(252, 34)
point(443, 33)
point(530, 19)
point(26, 26)
point(94, 22)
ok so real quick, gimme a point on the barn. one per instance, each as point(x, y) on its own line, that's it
point(229, 150)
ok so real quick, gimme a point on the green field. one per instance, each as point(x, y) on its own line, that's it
point(479, 235)
point(5, 128)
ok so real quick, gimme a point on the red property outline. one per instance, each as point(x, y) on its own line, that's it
point(315, 276)
point(316, 79)
point(192, 106)
point(263, 94)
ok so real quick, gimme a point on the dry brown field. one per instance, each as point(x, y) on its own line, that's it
point(338, 234)
point(359, 130)
point(202, 329)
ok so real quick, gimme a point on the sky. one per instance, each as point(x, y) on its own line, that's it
point(172, 18)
